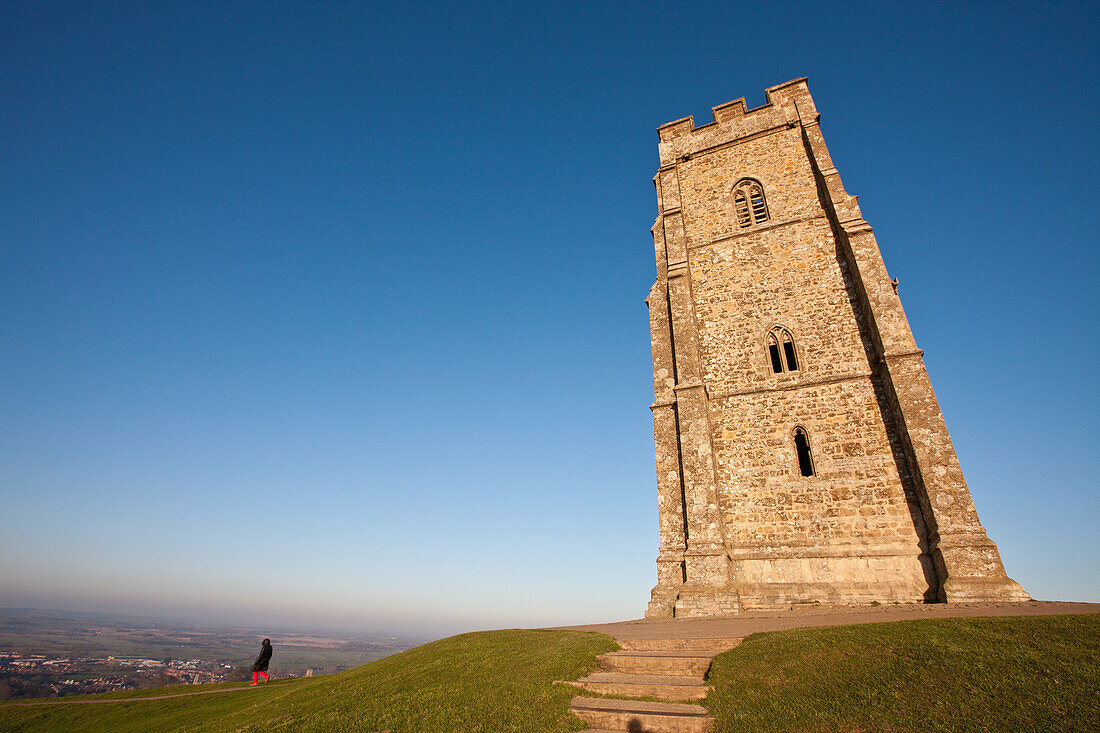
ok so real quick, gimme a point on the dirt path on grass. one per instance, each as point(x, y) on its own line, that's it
point(129, 699)
point(751, 622)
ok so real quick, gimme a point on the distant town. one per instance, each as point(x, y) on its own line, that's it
point(23, 676)
point(55, 653)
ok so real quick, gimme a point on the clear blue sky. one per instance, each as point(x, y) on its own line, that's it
point(333, 313)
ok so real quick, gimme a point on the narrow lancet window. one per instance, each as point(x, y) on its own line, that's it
point(748, 202)
point(781, 351)
point(773, 350)
point(759, 211)
point(741, 205)
point(802, 447)
point(788, 351)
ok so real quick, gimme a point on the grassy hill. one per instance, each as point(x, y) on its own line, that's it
point(486, 681)
point(994, 674)
point(1034, 673)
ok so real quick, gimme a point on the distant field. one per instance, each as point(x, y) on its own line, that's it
point(1039, 673)
point(289, 658)
point(65, 634)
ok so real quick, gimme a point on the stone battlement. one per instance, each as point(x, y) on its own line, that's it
point(788, 104)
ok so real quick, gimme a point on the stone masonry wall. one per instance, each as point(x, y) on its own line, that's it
point(786, 272)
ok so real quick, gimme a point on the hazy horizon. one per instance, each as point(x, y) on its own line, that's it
point(228, 624)
point(333, 314)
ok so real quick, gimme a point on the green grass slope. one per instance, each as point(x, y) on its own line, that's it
point(486, 681)
point(1037, 673)
point(994, 674)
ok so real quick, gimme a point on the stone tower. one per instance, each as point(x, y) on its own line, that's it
point(801, 453)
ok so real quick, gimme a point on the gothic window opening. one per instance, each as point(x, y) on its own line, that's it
point(788, 351)
point(748, 202)
point(781, 351)
point(805, 457)
point(773, 350)
point(741, 204)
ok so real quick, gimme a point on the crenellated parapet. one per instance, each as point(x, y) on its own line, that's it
point(788, 105)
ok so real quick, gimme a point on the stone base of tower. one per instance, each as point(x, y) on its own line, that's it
point(961, 590)
point(974, 571)
point(829, 576)
point(878, 574)
point(690, 601)
point(707, 594)
point(707, 601)
point(661, 608)
point(780, 583)
point(781, 596)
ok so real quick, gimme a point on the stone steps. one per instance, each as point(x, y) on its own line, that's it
point(666, 669)
point(683, 663)
point(672, 688)
point(638, 715)
point(712, 646)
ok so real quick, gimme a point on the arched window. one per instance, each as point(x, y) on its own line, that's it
point(802, 448)
point(748, 202)
point(781, 351)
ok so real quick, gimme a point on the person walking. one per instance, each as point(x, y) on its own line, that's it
point(260, 667)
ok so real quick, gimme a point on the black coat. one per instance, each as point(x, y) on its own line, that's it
point(263, 659)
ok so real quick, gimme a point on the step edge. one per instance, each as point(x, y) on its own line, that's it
point(664, 694)
point(626, 710)
point(654, 679)
point(661, 653)
point(644, 684)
